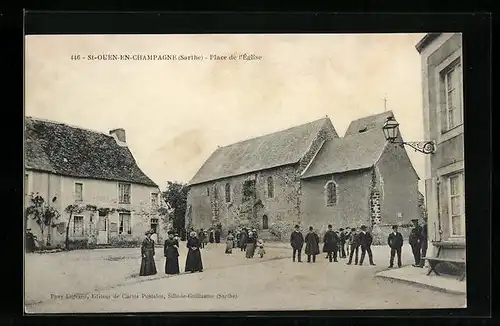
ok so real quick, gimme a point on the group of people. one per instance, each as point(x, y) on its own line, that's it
point(344, 243)
point(347, 242)
point(209, 236)
point(334, 244)
point(171, 253)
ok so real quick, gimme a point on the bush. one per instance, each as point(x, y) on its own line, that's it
point(282, 229)
point(78, 244)
point(125, 242)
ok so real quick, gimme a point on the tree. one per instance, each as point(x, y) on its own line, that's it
point(175, 196)
point(43, 214)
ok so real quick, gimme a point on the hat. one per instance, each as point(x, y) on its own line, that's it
point(192, 234)
point(414, 220)
point(28, 229)
point(296, 226)
point(149, 232)
point(310, 228)
point(394, 227)
point(363, 227)
point(329, 226)
point(170, 232)
point(353, 229)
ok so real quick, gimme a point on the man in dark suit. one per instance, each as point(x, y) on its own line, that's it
point(354, 240)
point(395, 242)
point(330, 241)
point(342, 243)
point(415, 240)
point(423, 246)
point(297, 242)
point(365, 240)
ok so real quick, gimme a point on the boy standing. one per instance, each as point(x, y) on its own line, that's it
point(395, 242)
point(354, 240)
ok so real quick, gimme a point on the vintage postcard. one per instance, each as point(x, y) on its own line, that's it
point(244, 172)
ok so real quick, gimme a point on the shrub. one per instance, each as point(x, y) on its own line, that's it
point(121, 241)
point(78, 244)
point(282, 229)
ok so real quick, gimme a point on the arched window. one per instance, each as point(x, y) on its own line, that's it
point(228, 193)
point(270, 187)
point(331, 193)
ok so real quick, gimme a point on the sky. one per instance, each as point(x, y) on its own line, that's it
point(176, 112)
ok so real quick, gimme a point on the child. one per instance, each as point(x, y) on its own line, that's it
point(229, 243)
point(261, 252)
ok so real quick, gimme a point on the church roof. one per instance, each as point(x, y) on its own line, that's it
point(272, 150)
point(375, 121)
point(71, 151)
point(352, 152)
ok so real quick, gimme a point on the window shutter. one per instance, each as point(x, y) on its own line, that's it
point(442, 102)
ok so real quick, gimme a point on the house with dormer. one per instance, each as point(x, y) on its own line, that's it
point(92, 170)
point(307, 175)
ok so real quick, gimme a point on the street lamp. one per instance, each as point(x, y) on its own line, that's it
point(391, 132)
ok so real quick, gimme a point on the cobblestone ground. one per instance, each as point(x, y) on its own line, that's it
point(229, 282)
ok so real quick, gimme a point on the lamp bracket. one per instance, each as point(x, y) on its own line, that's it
point(425, 147)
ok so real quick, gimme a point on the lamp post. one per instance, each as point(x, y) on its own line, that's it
point(391, 132)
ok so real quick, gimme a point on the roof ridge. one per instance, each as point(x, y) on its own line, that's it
point(272, 133)
point(373, 115)
point(68, 125)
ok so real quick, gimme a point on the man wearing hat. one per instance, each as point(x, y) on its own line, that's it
point(395, 242)
point(330, 241)
point(354, 239)
point(312, 245)
point(415, 240)
point(342, 240)
point(366, 240)
point(297, 242)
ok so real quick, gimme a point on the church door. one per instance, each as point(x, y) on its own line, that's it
point(265, 222)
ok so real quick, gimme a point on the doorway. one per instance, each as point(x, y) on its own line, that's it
point(103, 228)
point(154, 227)
point(265, 222)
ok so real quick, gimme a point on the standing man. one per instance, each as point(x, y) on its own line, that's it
point(297, 241)
point(415, 240)
point(366, 240)
point(423, 244)
point(330, 241)
point(312, 245)
point(354, 240)
point(395, 242)
point(342, 243)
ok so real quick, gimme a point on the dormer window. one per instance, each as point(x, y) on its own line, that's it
point(362, 129)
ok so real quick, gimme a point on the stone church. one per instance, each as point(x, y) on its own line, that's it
point(307, 175)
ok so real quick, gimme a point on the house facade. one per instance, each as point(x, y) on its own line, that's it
point(442, 80)
point(307, 175)
point(95, 172)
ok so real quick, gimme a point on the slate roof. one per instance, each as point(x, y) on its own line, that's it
point(65, 150)
point(352, 152)
point(375, 121)
point(276, 149)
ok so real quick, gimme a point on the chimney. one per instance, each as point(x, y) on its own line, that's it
point(119, 133)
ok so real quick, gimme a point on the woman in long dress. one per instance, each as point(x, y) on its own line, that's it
point(171, 252)
point(148, 266)
point(250, 245)
point(193, 259)
point(229, 243)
